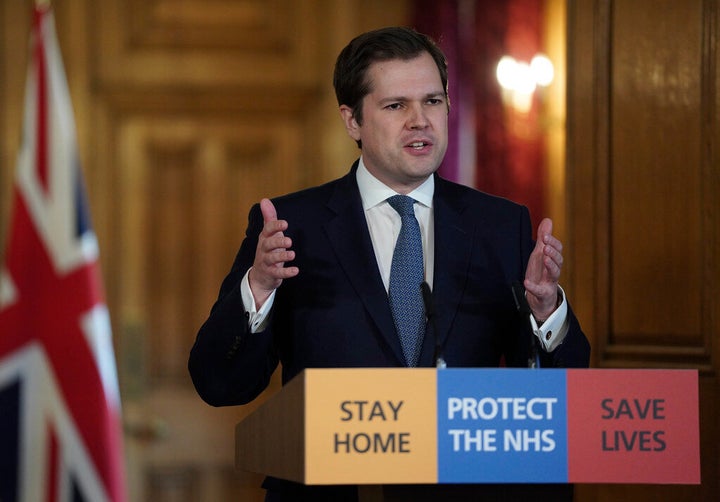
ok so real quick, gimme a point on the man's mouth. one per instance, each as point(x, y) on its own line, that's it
point(417, 145)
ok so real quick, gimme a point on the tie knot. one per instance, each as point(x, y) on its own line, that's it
point(402, 204)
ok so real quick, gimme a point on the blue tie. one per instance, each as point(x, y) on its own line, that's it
point(406, 275)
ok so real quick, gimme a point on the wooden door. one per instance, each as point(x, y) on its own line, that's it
point(644, 201)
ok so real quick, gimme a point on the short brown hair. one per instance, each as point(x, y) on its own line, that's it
point(350, 77)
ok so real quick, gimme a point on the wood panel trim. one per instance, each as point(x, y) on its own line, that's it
point(601, 180)
point(710, 318)
point(250, 26)
point(231, 99)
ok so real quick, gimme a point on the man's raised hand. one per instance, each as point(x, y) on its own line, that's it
point(543, 272)
point(269, 270)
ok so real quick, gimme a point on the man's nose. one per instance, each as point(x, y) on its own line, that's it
point(417, 118)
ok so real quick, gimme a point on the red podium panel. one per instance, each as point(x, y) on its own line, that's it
point(633, 426)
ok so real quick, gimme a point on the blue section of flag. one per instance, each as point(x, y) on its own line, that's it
point(82, 214)
point(9, 439)
point(75, 493)
point(504, 425)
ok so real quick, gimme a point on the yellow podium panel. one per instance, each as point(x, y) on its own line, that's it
point(371, 426)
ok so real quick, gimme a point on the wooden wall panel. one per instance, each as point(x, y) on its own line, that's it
point(643, 174)
point(643, 207)
point(184, 193)
point(655, 175)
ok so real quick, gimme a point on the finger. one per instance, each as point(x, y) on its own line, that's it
point(268, 210)
point(277, 272)
point(277, 258)
point(554, 243)
point(274, 241)
point(552, 269)
point(285, 272)
point(538, 290)
point(554, 255)
point(274, 229)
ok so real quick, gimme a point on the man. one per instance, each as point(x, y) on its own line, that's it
point(312, 284)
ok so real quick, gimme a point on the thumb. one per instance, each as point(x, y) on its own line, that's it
point(268, 210)
point(545, 228)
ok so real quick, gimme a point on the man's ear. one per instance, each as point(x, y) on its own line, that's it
point(351, 125)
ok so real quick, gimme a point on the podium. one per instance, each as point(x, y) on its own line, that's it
point(397, 426)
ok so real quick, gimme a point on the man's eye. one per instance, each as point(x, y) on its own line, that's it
point(434, 101)
point(393, 106)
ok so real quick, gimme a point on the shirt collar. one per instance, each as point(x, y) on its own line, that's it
point(373, 191)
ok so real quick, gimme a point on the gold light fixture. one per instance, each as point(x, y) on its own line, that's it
point(520, 80)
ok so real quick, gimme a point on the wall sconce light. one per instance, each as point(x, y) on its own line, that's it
point(519, 80)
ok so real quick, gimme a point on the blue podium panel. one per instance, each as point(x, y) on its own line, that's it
point(498, 426)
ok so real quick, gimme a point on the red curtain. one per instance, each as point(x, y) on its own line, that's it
point(492, 147)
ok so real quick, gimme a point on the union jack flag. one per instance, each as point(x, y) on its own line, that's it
point(60, 434)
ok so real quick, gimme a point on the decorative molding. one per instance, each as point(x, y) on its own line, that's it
point(193, 42)
point(245, 25)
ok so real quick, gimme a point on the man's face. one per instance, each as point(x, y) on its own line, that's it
point(404, 122)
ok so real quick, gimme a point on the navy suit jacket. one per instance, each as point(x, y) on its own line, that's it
point(336, 313)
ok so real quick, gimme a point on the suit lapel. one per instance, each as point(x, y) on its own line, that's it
point(350, 240)
point(454, 241)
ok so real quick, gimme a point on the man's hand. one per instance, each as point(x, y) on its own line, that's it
point(543, 272)
point(268, 270)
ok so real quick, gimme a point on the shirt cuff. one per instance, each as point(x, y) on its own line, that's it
point(257, 319)
point(551, 333)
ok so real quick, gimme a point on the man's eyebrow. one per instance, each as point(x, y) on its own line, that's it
point(393, 99)
point(435, 94)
